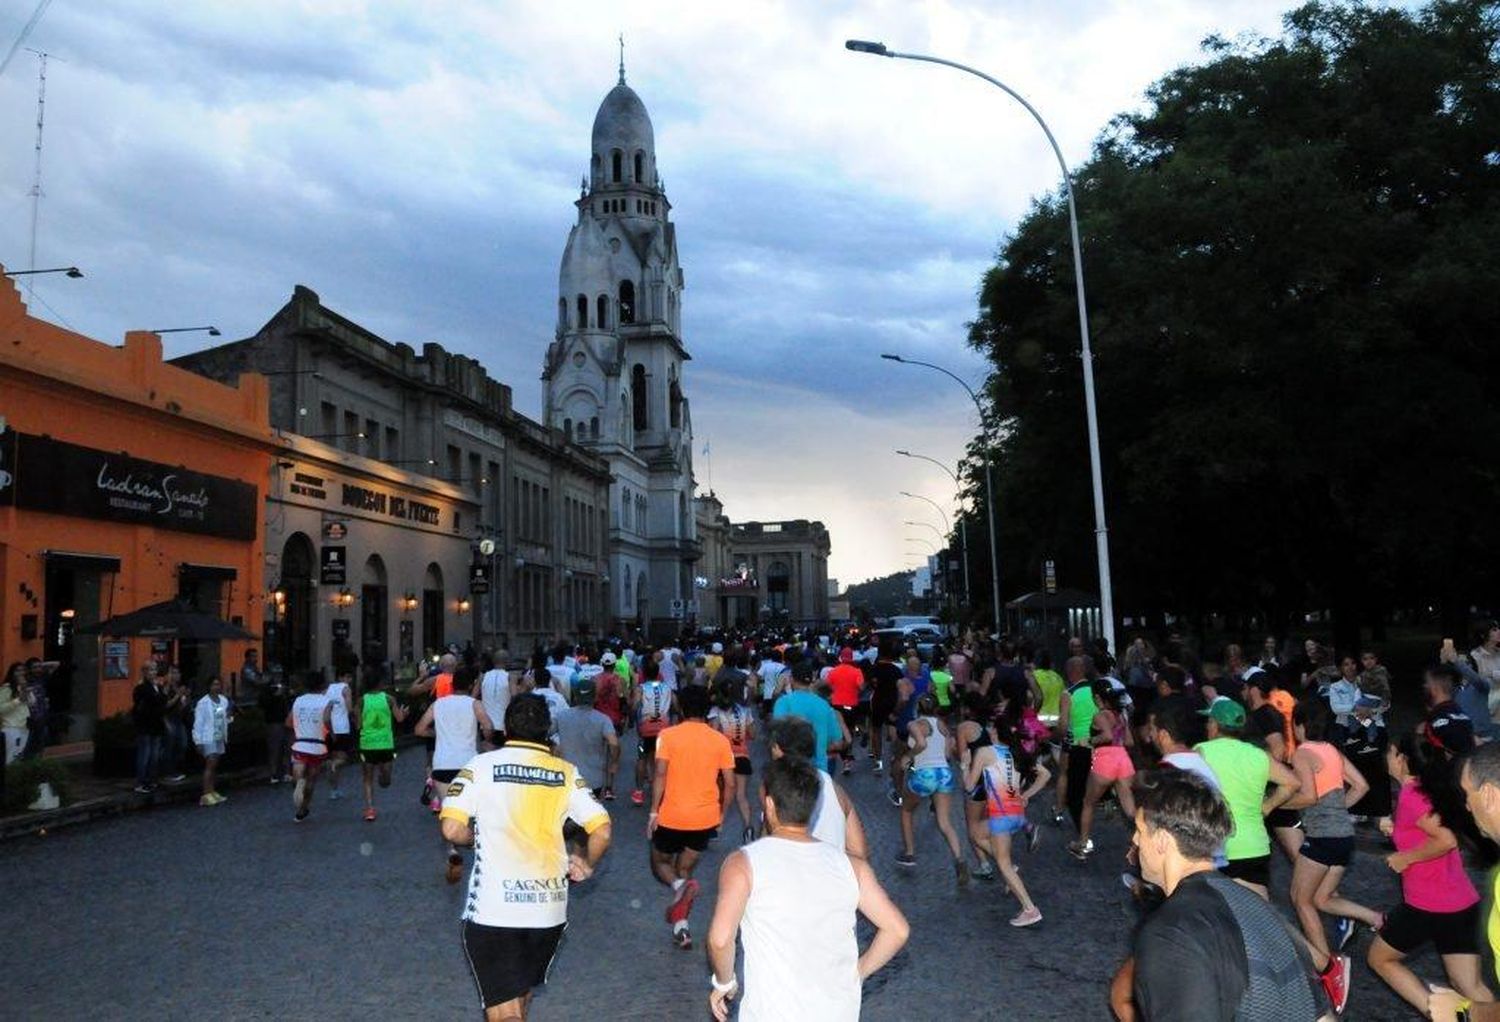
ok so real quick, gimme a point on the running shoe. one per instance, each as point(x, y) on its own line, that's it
point(426, 798)
point(275, 779)
point(985, 871)
point(906, 859)
point(1033, 836)
point(683, 939)
point(893, 796)
point(608, 794)
point(218, 799)
point(1335, 981)
point(208, 800)
point(1058, 818)
point(176, 778)
point(879, 765)
point(370, 815)
point(299, 816)
point(1029, 917)
point(848, 766)
point(961, 872)
point(287, 778)
point(1081, 850)
point(143, 789)
point(1343, 932)
point(682, 902)
point(638, 797)
point(455, 871)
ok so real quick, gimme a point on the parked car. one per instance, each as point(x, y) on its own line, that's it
point(922, 637)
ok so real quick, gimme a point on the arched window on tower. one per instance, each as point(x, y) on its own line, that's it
point(638, 396)
point(640, 167)
point(627, 301)
point(674, 403)
point(568, 430)
point(616, 160)
point(562, 314)
point(583, 312)
point(594, 427)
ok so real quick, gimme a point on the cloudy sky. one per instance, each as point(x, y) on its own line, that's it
point(417, 169)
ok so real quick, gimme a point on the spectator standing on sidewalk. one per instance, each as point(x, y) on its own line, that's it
point(211, 719)
point(148, 711)
point(794, 900)
point(275, 703)
point(38, 724)
point(179, 722)
point(15, 711)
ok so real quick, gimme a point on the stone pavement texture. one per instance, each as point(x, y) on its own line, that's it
point(235, 912)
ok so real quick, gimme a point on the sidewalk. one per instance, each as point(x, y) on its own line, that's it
point(94, 797)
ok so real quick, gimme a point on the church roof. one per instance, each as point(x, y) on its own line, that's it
point(622, 123)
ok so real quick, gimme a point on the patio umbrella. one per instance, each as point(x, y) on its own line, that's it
point(171, 619)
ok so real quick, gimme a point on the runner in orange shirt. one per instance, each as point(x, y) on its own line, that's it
point(693, 785)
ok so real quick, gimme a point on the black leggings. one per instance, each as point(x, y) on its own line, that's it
point(1080, 762)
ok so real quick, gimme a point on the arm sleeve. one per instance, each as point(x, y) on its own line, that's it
point(583, 809)
point(459, 799)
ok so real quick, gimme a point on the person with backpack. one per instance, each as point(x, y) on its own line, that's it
point(733, 719)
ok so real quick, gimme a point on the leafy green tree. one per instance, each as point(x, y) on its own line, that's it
point(1293, 270)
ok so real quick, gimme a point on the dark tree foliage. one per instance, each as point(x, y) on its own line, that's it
point(1293, 268)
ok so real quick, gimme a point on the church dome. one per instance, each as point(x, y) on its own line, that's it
point(622, 123)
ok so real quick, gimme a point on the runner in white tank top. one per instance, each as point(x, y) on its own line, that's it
point(828, 823)
point(457, 722)
point(794, 900)
point(801, 958)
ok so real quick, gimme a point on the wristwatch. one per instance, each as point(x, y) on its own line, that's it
point(723, 988)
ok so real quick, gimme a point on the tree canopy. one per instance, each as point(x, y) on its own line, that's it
point(1291, 262)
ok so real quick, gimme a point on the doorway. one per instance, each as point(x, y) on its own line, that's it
point(75, 590)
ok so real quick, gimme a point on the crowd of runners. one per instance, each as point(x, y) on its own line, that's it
point(1213, 769)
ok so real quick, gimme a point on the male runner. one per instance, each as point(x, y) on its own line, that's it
point(694, 783)
point(793, 900)
point(495, 691)
point(653, 704)
point(377, 718)
point(847, 680)
point(309, 721)
point(802, 702)
point(1479, 776)
point(341, 742)
point(455, 722)
point(586, 738)
point(511, 805)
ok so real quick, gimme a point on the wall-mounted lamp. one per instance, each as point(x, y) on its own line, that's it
point(463, 604)
point(343, 598)
point(408, 603)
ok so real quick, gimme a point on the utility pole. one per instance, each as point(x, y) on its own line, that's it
point(36, 182)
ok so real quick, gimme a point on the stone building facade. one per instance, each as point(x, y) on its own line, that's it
point(429, 428)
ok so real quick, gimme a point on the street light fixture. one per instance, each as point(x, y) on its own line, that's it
point(947, 525)
point(928, 525)
point(333, 436)
point(212, 331)
point(963, 520)
point(1101, 530)
point(69, 271)
point(989, 475)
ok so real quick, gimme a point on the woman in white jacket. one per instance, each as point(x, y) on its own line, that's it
point(211, 719)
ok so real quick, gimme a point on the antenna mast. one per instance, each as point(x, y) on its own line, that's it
point(36, 184)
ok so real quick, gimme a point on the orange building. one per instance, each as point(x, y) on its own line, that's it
point(123, 482)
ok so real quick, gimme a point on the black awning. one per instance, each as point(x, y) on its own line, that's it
point(82, 562)
point(212, 572)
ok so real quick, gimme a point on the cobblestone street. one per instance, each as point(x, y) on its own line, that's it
point(234, 912)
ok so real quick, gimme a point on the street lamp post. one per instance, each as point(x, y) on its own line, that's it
point(212, 331)
point(989, 477)
point(1101, 531)
point(963, 521)
point(935, 506)
point(71, 271)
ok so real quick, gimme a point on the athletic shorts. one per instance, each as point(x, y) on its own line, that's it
point(1452, 933)
point(880, 712)
point(1112, 763)
point(671, 842)
point(742, 765)
point(646, 746)
point(852, 716)
point(927, 781)
point(1008, 824)
point(1283, 819)
point(1329, 851)
point(978, 794)
point(341, 742)
point(311, 759)
point(443, 776)
point(1252, 871)
point(507, 961)
point(375, 757)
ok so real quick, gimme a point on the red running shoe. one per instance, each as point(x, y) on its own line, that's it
point(1336, 981)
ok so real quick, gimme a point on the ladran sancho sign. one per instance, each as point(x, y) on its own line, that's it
point(50, 475)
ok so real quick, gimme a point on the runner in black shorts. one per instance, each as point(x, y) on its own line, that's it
point(675, 842)
point(1255, 870)
point(509, 961)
